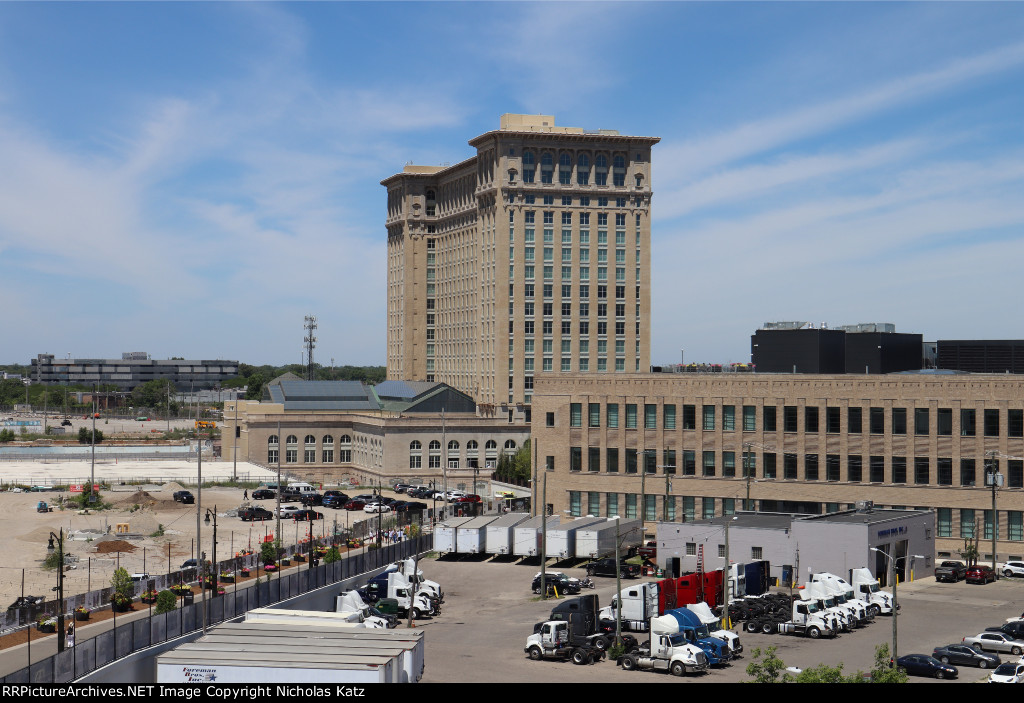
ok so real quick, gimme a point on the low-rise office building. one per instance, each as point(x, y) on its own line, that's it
point(133, 369)
point(799, 545)
point(684, 447)
point(327, 431)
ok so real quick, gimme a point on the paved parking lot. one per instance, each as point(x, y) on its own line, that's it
point(489, 611)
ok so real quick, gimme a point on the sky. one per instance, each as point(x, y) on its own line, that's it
point(192, 179)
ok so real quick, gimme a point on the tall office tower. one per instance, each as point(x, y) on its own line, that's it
point(532, 256)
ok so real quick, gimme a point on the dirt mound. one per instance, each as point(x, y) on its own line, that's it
point(146, 500)
point(172, 487)
point(114, 545)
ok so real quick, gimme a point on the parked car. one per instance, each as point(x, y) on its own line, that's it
point(469, 498)
point(355, 505)
point(649, 550)
point(307, 515)
point(139, 577)
point(254, 513)
point(65, 422)
point(263, 494)
point(288, 510)
point(980, 574)
point(311, 499)
point(1011, 672)
point(965, 655)
point(1011, 568)
point(413, 505)
point(1013, 628)
point(377, 508)
point(189, 564)
point(556, 579)
point(607, 567)
point(337, 500)
point(452, 496)
point(995, 642)
point(951, 571)
point(291, 495)
point(402, 487)
point(184, 497)
point(924, 665)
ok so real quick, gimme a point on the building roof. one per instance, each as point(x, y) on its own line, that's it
point(764, 521)
point(781, 521)
point(859, 517)
point(295, 394)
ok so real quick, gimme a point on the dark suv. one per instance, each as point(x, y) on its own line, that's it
point(606, 567)
point(255, 513)
point(184, 497)
point(263, 494)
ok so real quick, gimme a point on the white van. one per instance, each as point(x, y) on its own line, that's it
point(301, 487)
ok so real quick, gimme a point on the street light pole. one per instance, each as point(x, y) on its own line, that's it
point(213, 566)
point(60, 585)
point(895, 604)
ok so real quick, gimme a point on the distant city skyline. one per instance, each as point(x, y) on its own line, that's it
point(192, 179)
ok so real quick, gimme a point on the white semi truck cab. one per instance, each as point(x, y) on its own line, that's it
point(866, 588)
point(668, 650)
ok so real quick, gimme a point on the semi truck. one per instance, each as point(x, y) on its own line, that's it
point(845, 595)
point(394, 585)
point(590, 624)
point(407, 567)
point(865, 588)
point(707, 616)
point(805, 618)
point(829, 606)
point(351, 602)
point(571, 633)
point(696, 632)
point(667, 650)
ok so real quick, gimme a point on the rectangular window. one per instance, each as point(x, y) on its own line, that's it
point(768, 418)
point(594, 414)
point(1015, 423)
point(594, 503)
point(689, 417)
point(630, 461)
point(876, 421)
point(650, 508)
point(650, 416)
point(811, 467)
point(966, 523)
point(944, 422)
point(944, 519)
point(707, 508)
point(810, 419)
point(876, 469)
point(575, 415)
point(854, 420)
point(1015, 473)
point(575, 458)
point(921, 421)
point(709, 418)
point(967, 422)
point(899, 420)
point(729, 464)
point(574, 503)
point(790, 418)
point(899, 469)
point(991, 423)
point(612, 460)
point(854, 468)
point(708, 467)
point(1015, 525)
point(593, 459)
point(689, 462)
point(832, 467)
point(611, 504)
point(612, 414)
point(749, 418)
point(789, 466)
point(630, 416)
point(728, 418)
point(669, 417)
point(987, 522)
point(944, 471)
point(769, 464)
point(967, 477)
point(832, 423)
point(669, 462)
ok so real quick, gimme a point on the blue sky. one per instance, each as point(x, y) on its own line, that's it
point(191, 179)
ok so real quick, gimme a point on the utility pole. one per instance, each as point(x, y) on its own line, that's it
point(310, 339)
point(994, 478)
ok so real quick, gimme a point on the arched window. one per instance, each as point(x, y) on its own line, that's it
point(528, 167)
point(473, 454)
point(415, 455)
point(601, 170)
point(564, 169)
point(547, 166)
point(583, 169)
point(434, 455)
point(619, 172)
point(328, 448)
point(345, 449)
point(510, 446)
point(273, 449)
point(291, 449)
point(453, 446)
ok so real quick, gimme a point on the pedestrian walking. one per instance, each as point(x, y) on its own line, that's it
point(245, 494)
point(70, 642)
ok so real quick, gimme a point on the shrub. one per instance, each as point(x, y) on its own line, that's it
point(166, 601)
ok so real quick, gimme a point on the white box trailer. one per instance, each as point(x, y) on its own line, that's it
point(262, 652)
point(445, 534)
point(526, 536)
point(471, 537)
point(500, 532)
point(304, 618)
point(562, 539)
point(599, 540)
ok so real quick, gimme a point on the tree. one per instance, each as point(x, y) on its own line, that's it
point(255, 386)
point(85, 435)
point(122, 583)
point(885, 670)
point(332, 555)
point(268, 552)
point(152, 394)
point(768, 670)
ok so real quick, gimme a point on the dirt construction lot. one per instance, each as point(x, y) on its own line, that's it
point(489, 611)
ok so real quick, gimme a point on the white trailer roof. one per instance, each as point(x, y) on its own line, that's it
point(478, 523)
point(509, 520)
point(312, 631)
point(576, 524)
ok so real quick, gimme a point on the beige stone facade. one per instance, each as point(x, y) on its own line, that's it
point(532, 257)
point(814, 444)
point(367, 447)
